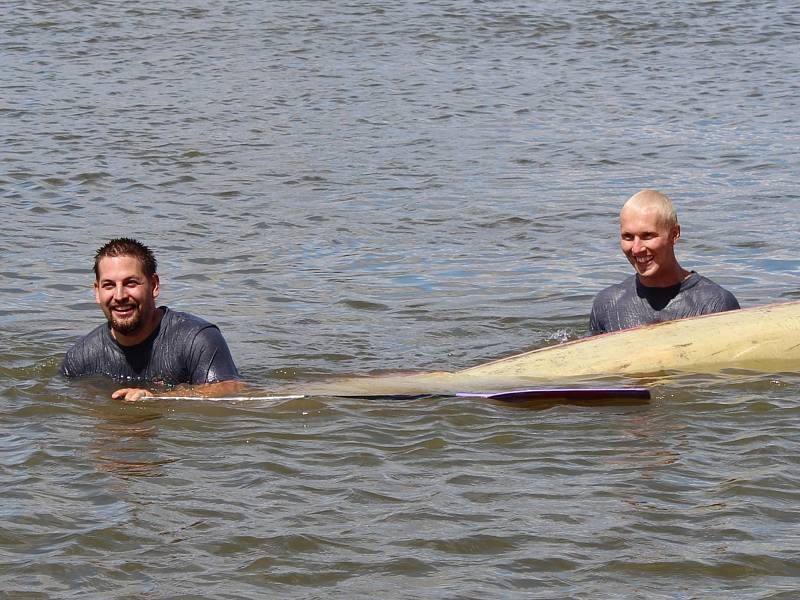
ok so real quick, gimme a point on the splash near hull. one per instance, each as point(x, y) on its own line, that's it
point(764, 338)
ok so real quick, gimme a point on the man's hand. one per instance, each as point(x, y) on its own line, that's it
point(205, 390)
point(131, 394)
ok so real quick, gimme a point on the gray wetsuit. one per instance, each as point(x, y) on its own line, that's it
point(630, 304)
point(182, 349)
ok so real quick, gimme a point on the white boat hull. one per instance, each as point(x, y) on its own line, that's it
point(764, 338)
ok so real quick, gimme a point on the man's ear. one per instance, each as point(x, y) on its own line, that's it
point(96, 287)
point(675, 233)
point(154, 281)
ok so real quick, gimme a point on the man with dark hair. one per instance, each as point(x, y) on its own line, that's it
point(142, 344)
point(660, 290)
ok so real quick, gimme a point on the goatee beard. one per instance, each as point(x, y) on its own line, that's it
point(126, 327)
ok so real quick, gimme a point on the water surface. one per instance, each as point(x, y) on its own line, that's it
point(355, 186)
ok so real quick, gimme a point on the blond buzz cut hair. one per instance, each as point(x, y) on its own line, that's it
point(655, 200)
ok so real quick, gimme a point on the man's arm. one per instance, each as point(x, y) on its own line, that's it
point(211, 371)
point(205, 390)
point(209, 360)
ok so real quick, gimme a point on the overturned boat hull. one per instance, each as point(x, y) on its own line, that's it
point(764, 338)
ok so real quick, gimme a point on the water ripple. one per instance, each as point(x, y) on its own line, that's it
point(350, 187)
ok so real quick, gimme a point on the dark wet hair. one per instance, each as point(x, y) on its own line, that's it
point(126, 247)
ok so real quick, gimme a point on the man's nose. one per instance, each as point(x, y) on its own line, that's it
point(119, 292)
point(638, 246)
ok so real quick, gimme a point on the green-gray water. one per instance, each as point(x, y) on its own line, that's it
point(355, 186)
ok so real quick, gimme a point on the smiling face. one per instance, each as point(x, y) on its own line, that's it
point(127, 297)
point(648, 242)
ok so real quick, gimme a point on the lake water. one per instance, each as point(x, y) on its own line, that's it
point(346, 187)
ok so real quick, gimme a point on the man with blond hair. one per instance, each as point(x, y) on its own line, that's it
point(660, 289)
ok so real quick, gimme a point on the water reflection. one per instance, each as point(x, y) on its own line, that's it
point(123, 440)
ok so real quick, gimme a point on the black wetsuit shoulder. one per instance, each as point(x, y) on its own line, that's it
point(630, 304)
point(183, 349)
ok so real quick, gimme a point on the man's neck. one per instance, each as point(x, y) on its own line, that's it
point(667, 280)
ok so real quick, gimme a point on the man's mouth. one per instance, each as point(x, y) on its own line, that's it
point(123, 311)
point(642, 261)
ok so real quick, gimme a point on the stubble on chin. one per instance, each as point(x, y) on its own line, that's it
point(126, 327)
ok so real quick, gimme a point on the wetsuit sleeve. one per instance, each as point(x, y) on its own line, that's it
point(68, 367)
point(210, 359)
point(88, 356)
point(605, 310)
point(595, 326)
point(727, 302)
